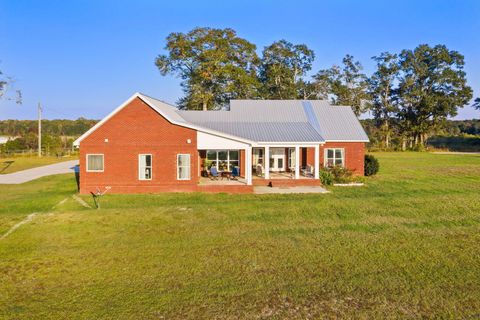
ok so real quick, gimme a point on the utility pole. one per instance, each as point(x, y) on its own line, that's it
point(39, 130)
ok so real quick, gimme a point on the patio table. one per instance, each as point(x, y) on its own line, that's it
point(226, 174)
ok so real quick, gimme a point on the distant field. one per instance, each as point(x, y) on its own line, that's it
point(405, 246)
point(9, 165)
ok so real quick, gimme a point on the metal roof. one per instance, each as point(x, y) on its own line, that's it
point(276, 121)
point(282, 121)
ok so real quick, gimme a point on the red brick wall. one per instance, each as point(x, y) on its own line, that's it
point(354, 154)
point(134, 130)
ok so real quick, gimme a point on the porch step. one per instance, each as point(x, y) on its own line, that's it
point(286, 182)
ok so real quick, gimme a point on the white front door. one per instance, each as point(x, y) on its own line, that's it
point(277, 159)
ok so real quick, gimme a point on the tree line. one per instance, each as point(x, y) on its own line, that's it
point(57, 135)
point(410, 95)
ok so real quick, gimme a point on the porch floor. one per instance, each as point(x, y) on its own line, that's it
point(281, 175)
point(225, 182)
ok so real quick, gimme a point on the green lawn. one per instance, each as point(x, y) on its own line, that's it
point(13, 164)
point(405, 246)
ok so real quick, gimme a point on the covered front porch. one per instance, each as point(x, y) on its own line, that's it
point(280, 165)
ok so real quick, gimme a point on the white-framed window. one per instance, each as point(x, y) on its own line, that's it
point(258, 155)
point(95, 162)
point(334, 157)
point(291, 157)
point(144, 167)
point(223, 160)
point(183, 166)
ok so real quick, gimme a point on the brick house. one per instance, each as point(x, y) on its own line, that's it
point(146, 145)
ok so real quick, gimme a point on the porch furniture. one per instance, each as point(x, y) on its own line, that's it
point(235, 173)
point(292, 172)
point(214, 173)
point(259, 170)
point(307, 171)
point(226, 174)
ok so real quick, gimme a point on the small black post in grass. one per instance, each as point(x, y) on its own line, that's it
point(96, 196)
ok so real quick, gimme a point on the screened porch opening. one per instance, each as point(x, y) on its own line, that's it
point(281, 162)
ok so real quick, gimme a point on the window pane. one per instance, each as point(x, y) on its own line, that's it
point(338, 153)
point(148, 160)
point(233, 164)
point(95, 162)
point(211, 155)
point(222, 165)
point(330, 153)
point(148, 173)
point(233, 154)
point(222, 155)
point(182, 159)
point(329, 163)
point(338, 162)
point(183, 173)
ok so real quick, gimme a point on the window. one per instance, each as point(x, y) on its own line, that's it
point(334, 157)
point(291, 158)
point(183, 167)
point(145, 167)
point(257, 156)
point(223, 160)
point(94, 162)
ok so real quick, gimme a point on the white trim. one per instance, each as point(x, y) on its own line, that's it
point(248, 165)
point(189, 167)
point(266, 162)
point(151, 166)
point(347, 140)
point(288, 144)
point(76, 143)
point(317, 162)
point(95, 154)
point(297, 162)
point(325, 158)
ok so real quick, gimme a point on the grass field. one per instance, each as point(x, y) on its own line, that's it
point(405, 246)
point(9, 165)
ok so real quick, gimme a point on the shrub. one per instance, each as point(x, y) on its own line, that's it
point(371, 165)
point(326, 177)
point(337, 174)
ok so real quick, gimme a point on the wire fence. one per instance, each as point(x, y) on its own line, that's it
point(58, 152)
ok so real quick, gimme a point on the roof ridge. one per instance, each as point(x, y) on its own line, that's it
point(150, 97)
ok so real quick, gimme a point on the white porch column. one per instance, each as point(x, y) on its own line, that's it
point(297, 162)
point(266, 162)
point(248, 165)
point(317, 162)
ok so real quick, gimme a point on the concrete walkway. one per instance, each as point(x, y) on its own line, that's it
point(35, 173)
point(285, 190)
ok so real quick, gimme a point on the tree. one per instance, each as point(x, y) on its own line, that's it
point(5, 83)
point(215, 65)
point(432, 87)
point(345, 86)
point(282, 67)
point(476, 104)
point(382, 93)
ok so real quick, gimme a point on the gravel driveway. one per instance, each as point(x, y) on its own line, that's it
point(35, 173)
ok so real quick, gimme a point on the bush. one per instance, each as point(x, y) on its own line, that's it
point(326, 177)
point(371, 165)
point(337, 174)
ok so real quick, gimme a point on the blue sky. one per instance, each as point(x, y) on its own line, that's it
point(84, 58)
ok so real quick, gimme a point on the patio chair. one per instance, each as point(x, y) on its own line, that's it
point(259, 170)
point(235, 173)
point(214, 173)
point(307, 171)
